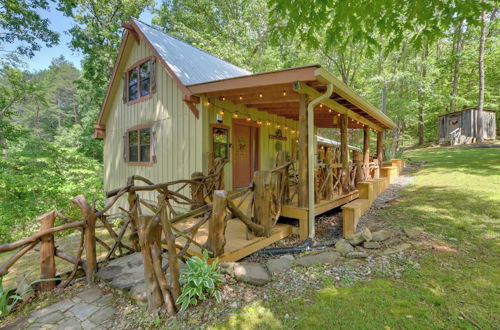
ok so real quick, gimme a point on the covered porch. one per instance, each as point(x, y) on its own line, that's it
point(313, 180)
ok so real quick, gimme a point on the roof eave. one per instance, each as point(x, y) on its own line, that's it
point(346, 92)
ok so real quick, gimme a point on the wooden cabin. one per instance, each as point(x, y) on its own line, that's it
point(171, 109)
point(460, 127)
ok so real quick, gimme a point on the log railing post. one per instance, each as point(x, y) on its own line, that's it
point(366, 151)
point(134, 214)
point(328, 192)
point(90, 241)
point(197, 190)
point(47, 252)
point(344, 153)
point(380, 137)
point(263, 198)
point(360, 174)
point(217, 224)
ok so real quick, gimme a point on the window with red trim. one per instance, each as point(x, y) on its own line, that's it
point(139, 81)
point(139, 146)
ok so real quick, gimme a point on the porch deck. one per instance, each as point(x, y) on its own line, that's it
point(237, 245)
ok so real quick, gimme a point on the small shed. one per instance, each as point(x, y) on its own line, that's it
point(460, 127)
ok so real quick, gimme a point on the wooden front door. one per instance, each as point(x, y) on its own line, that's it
point(245, 157)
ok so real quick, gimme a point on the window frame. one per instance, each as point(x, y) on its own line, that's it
point(138, 129)
point(137, 66)
point(229, 145)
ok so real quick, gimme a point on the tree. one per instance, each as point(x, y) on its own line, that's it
point(97, 34)
point(20, 21)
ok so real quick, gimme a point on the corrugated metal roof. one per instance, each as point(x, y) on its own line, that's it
point(323, 140)
point(190, 64)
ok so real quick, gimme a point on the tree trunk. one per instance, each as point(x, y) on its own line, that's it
point(482, 41)
point(458, 44)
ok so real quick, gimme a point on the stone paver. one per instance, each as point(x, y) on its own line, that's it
point(89, 309)
point(316, 259)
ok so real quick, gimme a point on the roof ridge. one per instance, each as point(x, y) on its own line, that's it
point(157, 28)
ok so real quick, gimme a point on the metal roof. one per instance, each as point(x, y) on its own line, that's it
point(190, 64)
point(325, 141)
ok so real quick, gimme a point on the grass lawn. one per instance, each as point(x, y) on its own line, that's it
point(455, 198)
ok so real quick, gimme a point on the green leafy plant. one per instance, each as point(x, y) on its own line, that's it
point(199, 279)
point(7, 300)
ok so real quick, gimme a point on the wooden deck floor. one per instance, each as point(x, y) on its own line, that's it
point(237, 245)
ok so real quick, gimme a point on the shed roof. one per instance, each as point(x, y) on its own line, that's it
point(324, 141)
point(466, 109)
point(190, 64)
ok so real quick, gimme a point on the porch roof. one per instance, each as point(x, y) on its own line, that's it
point(278, 92)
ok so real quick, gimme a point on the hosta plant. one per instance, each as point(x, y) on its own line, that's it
point(199, 280)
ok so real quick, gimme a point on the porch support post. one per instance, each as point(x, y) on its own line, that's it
point(366, 151)
point(302, 187)
point(311, 180)
point(380, 137)
point(344, 153)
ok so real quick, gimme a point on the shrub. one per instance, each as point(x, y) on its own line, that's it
point(199, 279)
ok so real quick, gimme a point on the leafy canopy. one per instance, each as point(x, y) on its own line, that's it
point(20, 21)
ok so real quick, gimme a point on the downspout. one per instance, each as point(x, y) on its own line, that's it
point(310, 154)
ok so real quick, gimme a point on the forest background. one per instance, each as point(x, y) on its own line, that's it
point(414, 60)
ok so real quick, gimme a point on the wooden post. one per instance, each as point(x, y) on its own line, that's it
point(303, 194)
point(90, 220)
point(153, 291)
point(366, 151)
point(281, 159)
point(328, 193)
point(47, 252)
point(197, 190)
point(217, 224)
point(360, 174)
point(380, 137)
point(344, 154)
point(173, 263)
point(263, 194)
point(133, 215)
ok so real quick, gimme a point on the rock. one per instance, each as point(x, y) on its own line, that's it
point(392, 241)
point(227, 267)
point(395, 249)
point(321, 258)
point(288, 257)
point(343, 247)
point(371, 245)
point(138, 292)
point(360, 237)
point(252, 273)
point(278, 265)
point(357, 255)
point(381, 235)
point(412, 233)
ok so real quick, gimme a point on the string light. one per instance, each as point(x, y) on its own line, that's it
point(261, 95)
point(221, 112)
point(284, 92)
point(330, 110)
point(241, 97)
point(278, 125)
point(248, 118)
point(235, 115)
point(223, 98)
point(259, 122)
point(285, 128)
point(268, 123)
point(321, 105)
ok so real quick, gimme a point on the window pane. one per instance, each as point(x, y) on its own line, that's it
point(145, 135)
point(132, 138)
point(145, 70)
point(132, 154)
point(132, 84)
point(145, 152)
point(220, 135)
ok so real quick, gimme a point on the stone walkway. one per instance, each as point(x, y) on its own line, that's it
point(89, 309)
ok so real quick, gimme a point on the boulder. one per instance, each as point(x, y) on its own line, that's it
point(395, 249)
point(278, 265)
point(227, 267)
point(357, 255)
point(252, 273)
point(343, 247)
point(317, 259)
point(360, 237)
point(412, 233)
point(381, 235)
point(371, 245)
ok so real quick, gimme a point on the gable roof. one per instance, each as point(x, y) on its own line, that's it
point(190, 64)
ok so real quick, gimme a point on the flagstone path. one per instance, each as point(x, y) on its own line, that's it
point(90, 309)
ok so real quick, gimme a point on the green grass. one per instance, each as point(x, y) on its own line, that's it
point(455, 197)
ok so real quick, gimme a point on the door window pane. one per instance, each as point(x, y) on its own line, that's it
point(220, 142)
